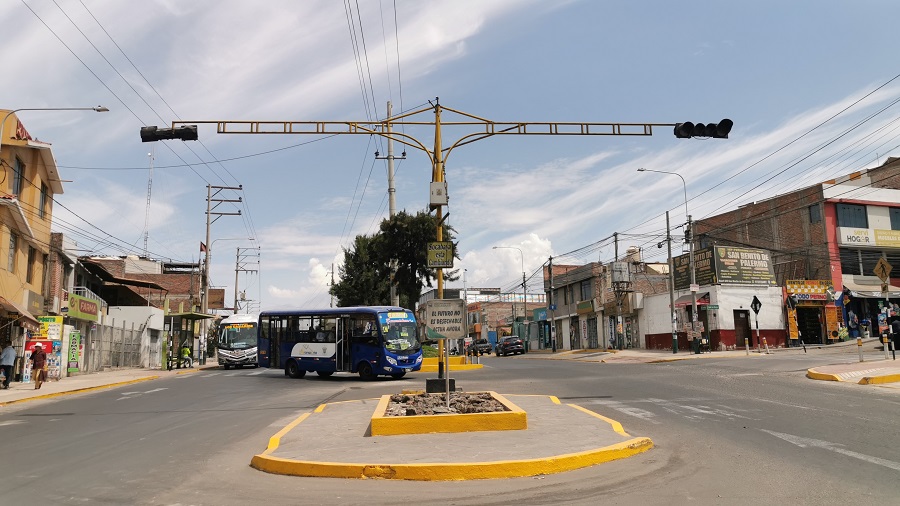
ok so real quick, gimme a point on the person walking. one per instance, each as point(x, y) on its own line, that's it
point(38, 366)
point(853, 324)
point(7, 359)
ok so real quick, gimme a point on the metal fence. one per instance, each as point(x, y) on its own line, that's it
point(110, 347)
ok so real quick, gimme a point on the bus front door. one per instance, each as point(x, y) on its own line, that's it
point(342, 350)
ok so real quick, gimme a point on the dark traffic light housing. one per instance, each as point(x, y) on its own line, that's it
point(718, 130)
point(153, 134)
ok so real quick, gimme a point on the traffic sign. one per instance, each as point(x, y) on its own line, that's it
point(883, 269)
point(756, 304)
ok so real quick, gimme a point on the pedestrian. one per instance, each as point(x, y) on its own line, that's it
point(853, 324)
point(7, 359)
point(38, 366)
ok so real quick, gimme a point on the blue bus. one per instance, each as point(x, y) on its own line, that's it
point(369, 341)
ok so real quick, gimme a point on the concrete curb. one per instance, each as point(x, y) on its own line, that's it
point(879, 380)
point(444, 471)
point(816, 375)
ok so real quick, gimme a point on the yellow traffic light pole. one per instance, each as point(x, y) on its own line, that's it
point(482, 129)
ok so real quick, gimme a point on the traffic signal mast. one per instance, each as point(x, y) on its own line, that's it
point(481, 129)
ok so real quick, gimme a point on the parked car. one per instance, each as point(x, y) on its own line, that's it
point(479, 347)
point(510, 344)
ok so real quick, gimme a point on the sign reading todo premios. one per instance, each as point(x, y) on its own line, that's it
point(445, 319)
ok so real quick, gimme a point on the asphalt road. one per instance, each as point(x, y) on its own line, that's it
point(727, 431)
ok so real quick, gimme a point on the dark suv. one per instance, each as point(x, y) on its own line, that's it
point(479, 347)
point(511, 344)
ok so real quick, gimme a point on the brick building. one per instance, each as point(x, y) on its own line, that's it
point(825, 242)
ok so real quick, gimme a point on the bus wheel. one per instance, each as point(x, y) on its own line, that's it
point(293, 370)
point(324, 374)
point(227, 366)
point(398, 375)
point(365, 371)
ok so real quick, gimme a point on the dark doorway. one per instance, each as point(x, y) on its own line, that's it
point(809, 323)
point(742, 327)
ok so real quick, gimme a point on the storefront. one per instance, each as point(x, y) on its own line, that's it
point(814, 319)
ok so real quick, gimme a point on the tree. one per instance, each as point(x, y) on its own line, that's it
point(365, 274)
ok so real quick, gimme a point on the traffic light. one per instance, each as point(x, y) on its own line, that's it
point(718, 130)
point(153, 134)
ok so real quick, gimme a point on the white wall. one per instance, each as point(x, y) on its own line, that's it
point(655, 319)
point(143, 317)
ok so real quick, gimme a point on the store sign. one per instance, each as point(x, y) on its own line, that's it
point(84, 308)
point(848, 236)
point(51, 327)
point(74, 350)
point(726, 265)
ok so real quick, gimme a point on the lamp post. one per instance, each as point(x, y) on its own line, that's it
point(524, 291)
point(689, 235)
point(98, 108)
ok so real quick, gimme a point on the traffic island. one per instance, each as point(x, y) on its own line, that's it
point(399, 414)
point(334, 441)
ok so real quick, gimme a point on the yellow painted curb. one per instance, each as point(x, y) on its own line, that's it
point(453, 367)
point(514, 418)
point(878, 380)
point(453, 471)
point(816, 375)
point(78, 391)
point(448, 471)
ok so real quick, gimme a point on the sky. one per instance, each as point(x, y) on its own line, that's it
point(809, 85)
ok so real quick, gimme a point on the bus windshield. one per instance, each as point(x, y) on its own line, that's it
point(238, 336)
point(400, 332)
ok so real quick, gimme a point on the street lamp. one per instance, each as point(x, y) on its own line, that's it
point(99, 108)
point(690, 238)
point(524, 292)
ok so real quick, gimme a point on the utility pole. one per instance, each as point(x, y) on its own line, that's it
point(671, 288)
point(392, 191)
point(204, 280)
point(690, 238)
point(240, 265)
point(552, 308)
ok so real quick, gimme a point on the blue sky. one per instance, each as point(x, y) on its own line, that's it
point(809, 85)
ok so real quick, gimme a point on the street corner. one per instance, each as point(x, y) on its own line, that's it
point(343, 432)
point(863, 373)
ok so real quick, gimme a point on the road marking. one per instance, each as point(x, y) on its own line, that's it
point(254, 373)
point(11, 422)
point(804, 442)
point(156, 390)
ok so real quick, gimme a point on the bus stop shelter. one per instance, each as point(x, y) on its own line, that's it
point(183, 329)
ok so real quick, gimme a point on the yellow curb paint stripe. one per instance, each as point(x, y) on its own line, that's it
point(78, 391)
point(816, 375)
point(878, 380)
point(453, 471)
point(555, 399)
point(320, 408)
point(188, 371)
point(275, 440)
point(616, 426)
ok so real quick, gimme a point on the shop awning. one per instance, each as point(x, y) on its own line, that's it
point(867, 291)
point(685, 300)
point(25, 319)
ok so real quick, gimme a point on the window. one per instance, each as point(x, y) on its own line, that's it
point(850, 215)
point(29, 268)
point(850, 262)
point(586, 290)
point(42, 205)
point(18, 177)
point(11, 261)
point(895, 218)
point(815, 213)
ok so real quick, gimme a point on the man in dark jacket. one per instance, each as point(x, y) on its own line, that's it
point(38, 363)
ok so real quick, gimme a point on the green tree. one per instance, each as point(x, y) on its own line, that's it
point(365, 274)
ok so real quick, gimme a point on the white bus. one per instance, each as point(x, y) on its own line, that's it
point(237, 341)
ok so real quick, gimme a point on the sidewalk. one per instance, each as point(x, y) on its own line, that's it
point(872, 372)
point(22, 392)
